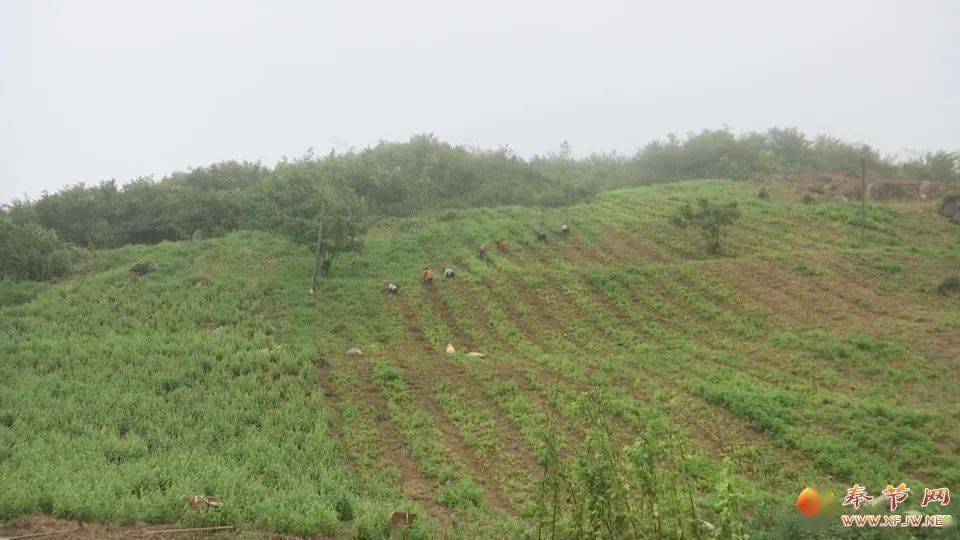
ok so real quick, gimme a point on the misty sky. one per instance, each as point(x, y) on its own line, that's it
point(97, 90)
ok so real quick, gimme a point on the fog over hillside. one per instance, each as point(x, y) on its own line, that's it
point(109, 89)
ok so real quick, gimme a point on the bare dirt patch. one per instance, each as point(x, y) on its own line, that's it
point(391, 449)
point(423, 377)
point(845, 187)
point(843, 301)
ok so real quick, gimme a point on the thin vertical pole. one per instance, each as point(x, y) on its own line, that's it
point(316, 257)
point(863, 199)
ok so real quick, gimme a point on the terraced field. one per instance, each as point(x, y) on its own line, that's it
point(807, 354)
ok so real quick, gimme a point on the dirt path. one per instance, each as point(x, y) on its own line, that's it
point(390, 450)
point(433, 368)
point(514, 445)
point(710, 427)
point(507, 365)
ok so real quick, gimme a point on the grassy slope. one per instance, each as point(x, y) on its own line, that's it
point(804, 355)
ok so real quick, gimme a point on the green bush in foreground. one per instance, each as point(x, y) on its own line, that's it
point(644, 490)
point(712, 219)
point(32, 252)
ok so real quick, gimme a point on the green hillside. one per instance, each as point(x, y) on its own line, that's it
point(805, 355)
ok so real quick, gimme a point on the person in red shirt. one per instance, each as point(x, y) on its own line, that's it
point(427, 276)
point(502, 247)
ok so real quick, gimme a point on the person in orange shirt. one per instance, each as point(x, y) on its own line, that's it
point(427, 276)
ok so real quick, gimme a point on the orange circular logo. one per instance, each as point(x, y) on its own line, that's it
point(809, 503)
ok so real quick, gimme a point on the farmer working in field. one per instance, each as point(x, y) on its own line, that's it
point(427, 276)
point(482, 252)
point(502, 247)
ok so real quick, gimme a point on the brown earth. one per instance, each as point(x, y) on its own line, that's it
point(841, 187)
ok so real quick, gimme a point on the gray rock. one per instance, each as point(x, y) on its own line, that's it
point(950, 206)
point(950, 287)
point(144, 268)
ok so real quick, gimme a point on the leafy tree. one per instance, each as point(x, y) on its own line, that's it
point(343, 222)
point(712, 219)
point(834, 155)
point(940, 165)
point(403, 178)
point(82, 215)
point(790, 145)
point(144, 210)
point(721, 154)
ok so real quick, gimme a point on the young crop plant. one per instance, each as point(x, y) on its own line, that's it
point(475, 423)
point(457, 490)
point(809, 268)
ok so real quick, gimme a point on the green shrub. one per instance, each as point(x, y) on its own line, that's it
point(712, 219)
point(31, 252)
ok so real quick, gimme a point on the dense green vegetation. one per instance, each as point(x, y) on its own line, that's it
point(29, 251)
point(402, 179)
point(628, 374)
point(721, 154)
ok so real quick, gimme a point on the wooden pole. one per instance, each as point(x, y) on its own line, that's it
point(863, 199)
point(316, 257)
